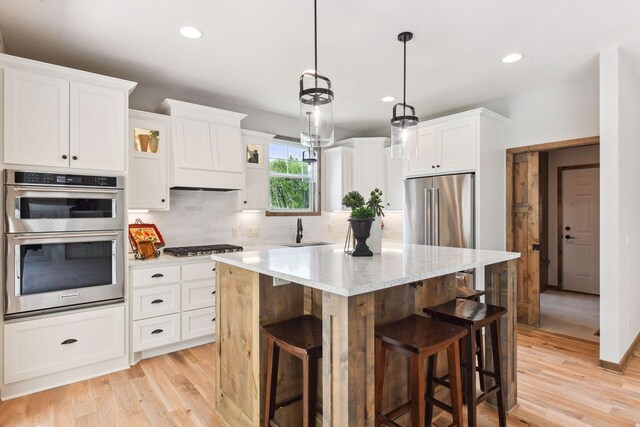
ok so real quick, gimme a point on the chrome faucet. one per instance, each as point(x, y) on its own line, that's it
point(299, 231)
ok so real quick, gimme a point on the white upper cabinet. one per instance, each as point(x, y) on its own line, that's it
point(59, 117)
point(368, 165)
point(36, 119)
point(207, 147)
point(97, 127)
point(255, 196)
point(427, 154)
point(148, 148)
point(392, 193)
point(457, 146)
point(338, 179)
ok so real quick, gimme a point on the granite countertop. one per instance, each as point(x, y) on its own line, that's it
point(329, 269)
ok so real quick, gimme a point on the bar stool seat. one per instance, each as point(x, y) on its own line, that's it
point(302, 338)
point(475, 316)
point(418, 338)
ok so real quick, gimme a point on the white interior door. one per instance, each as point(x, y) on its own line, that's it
point(581, 230)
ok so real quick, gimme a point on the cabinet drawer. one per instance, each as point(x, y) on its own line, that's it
point(198, 295)
point(205, 270)
point(45, 346)
point(156, 332)
point(156, 301)
point(198, 323)
point(155, 276)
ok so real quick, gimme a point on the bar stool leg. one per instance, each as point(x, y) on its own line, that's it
point(431, 364)
point(273, 357)
point(453, 356)
point(497, 368)
point(379, 378)
point(417, 391)
point(309, 390)
point(480, 344)
point(470, 374)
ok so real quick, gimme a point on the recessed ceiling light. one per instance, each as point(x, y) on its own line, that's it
point(512, 57)
point(191, 32)
point(388, 99)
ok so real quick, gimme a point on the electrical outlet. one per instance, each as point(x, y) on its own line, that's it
point(253, 231)
point(235, 231)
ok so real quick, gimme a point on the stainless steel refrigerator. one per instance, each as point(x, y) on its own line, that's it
point(439, 211)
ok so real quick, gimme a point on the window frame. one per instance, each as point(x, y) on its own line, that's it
point(314, 187)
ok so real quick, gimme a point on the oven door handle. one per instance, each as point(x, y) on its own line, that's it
point(65, 190)
point(62, 235)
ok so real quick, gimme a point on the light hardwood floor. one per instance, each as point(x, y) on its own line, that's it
point(559, 384)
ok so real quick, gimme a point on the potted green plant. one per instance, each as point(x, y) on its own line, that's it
point(360, 221)
point(375, 203)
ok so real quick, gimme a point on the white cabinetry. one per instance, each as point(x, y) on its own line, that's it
point(255, 196)
point(207, 147)
point(148, 147)
point(59, 117)
point(392, 193)
point(34, 348)
point(449, 144)
point(356, 164)
point(171, 305)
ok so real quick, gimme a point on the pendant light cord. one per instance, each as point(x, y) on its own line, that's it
point(315, 38)
point(404, 83)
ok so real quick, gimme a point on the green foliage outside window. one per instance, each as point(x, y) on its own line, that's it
point(288, 182)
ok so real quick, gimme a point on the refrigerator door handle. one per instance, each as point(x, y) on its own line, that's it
point(428, 216)
point(436, 216)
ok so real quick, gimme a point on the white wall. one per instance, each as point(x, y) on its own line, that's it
point(619, 204)
point(560, 158)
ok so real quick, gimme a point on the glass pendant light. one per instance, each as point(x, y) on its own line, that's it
point(404, 128)
point(316, 97)
point(310, 158)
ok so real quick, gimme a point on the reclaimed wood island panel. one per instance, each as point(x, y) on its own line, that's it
point(350, 296)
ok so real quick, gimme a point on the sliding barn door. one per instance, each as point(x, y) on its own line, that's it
point(523, 233)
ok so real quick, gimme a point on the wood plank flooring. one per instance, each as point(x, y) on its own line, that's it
point(559, 384)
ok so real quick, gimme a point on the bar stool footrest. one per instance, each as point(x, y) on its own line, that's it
point(482, 397)
point(387, 421)
point(439, 404)
point(289, 401)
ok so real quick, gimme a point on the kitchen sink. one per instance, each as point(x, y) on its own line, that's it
point(304, 244)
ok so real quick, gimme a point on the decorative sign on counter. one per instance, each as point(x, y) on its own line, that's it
point(145, 240)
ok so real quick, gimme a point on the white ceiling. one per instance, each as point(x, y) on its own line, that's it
point(253, 51)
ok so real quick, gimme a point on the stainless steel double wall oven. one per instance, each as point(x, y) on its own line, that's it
point(64, 241)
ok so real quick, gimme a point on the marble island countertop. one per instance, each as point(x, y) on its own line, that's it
point(329, 269)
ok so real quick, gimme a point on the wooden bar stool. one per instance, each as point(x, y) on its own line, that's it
point(474, 295)
point(475, 316)
point(302, 338)
point(418, 338)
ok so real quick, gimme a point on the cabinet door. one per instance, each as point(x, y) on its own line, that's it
point(457, 146)
point(227, 148)
point(148, 187)
point(338, 176)
point(36, 119)
point(368, 167)
point(393, 192)
point(256, 164)
point(425, 162)
point(97, 127)
point(193, 144)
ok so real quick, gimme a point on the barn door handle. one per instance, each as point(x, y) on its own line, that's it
point(535, 247)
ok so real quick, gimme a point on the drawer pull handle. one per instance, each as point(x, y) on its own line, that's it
point(157, 301)
point(157, 275)
point(213, 269)
point(213, 320)
point(157, 331)
point(69, 341)
point(213, 293)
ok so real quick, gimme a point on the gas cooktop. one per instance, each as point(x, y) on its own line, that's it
point(183, 251)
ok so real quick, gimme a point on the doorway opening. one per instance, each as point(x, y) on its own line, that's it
point(553, 221)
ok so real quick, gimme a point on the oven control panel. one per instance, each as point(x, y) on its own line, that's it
point(40, 178)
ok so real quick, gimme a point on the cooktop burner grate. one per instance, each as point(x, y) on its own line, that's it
point(185, 251)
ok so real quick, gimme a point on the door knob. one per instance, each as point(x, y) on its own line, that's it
point(568, 237)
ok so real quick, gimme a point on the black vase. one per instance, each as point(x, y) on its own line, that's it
point(361, 231)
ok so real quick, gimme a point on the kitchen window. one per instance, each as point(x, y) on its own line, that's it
point(290, 189)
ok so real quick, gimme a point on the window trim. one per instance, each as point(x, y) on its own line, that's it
point(316, 209)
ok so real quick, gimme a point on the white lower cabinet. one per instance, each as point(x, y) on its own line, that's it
point(34, 348)
point(171, 305)
point(155, 332)
point(198, 323)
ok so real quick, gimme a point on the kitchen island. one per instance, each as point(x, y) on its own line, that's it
point(350, 295)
